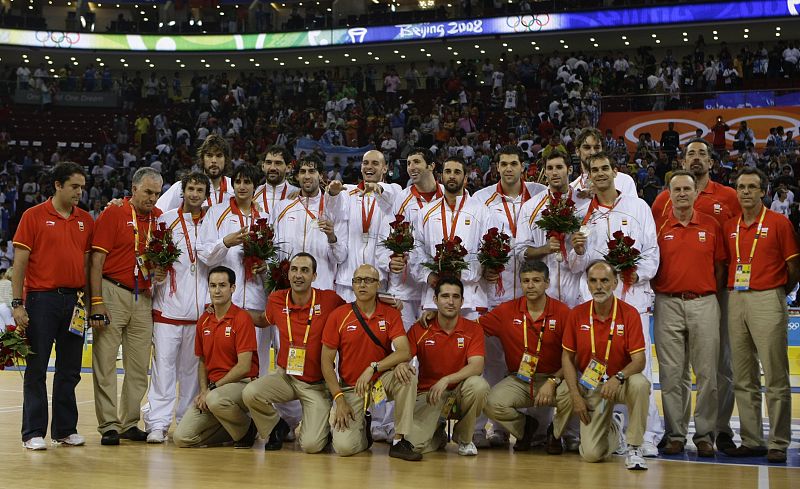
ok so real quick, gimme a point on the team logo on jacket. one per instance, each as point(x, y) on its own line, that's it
point(382, 325)
point(701, 235)
point(206, 332)
point(467, 222)
point(552, 325)
point(430, 342)
point(50, 223)
point(317, 310)
point(460, 342)
point(129, 223)
point(80, 226)
point(620, 329)
point(732, 236)
point(624, 222)
point(764, 232)
point(227, 331)
point(668, 237)
point(518, 321)
point(717, 208)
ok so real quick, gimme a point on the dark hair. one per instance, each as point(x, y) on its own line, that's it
point(457, 159)
point(535, 266)
point(425, 153)
point(63, 171)
point(602, 155)
point(682, 173)
point(196, 177)
point(312, 161)
point(763, 181)
point(248, 171)
point(709, 148)
point(448, 281)
point(215, 142)
point(601, 262)
point(223, 269)
point(555, 154)
point(303, 254)
point(585, 133)
point(510, 149)
point(276, 149)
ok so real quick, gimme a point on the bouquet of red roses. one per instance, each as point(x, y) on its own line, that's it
point(277, 275)
point(494, 253)
point(449, 259)
point(623, 257)
point(13, 348)
point(401, 238)
point(559, 219)
point(162, 252)
point(259, 246)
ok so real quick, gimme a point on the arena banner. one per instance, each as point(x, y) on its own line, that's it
point(518, 24)
point(760, 120)
point(69, 99)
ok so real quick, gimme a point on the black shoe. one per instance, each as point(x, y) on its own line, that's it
point(404, 450)
point(110, 438)
point(248, 439)
point(524, 444)
point(275, 441)
point(553, 445)
point(368, 429)
point(725, 442)
point(744, 451)
point(134, 434)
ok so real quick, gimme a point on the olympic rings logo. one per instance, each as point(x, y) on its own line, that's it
point(528, 23)
point(57, 39)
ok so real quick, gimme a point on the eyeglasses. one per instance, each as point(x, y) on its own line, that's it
point(364, 280)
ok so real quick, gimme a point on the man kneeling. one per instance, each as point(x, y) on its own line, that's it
point(451, 356)
point(228, 359)
point(603, 339)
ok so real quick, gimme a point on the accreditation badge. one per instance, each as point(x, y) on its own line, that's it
point(378, 393)
point(593, 374)
point(77, 325)
point(449, 406)
point(141, 263)
point(296, 361)
point(527, 367)
point(741, 280)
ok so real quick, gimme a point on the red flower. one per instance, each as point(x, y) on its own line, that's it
point(628, 241)
point(618, 235)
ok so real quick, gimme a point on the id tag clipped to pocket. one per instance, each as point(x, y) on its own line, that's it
point(296, 361)
point(593, 374)
point(449, 404)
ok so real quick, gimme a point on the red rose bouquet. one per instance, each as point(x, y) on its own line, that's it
point(401, 238)
point(623, 257)
point(162, 252)
point(259, 246)
point(449, 259)
point(13, 348)
point(559, 219)
point(494, 253)
point(277, 276)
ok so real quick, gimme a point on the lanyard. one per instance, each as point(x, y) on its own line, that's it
point(610, 331)
point(136, 230)
point(454, 221)
point(525, 333)
point(223, 188)
point(755, 240)
point(420, 198)
point(253, 211)
point(366, 219)
point(321, 206)
point(283, 196)
point(593, 206)
point(512, 222)
point(192, 258)
point(310, 316)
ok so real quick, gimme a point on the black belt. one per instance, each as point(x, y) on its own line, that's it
point(118, 284)
point(689, 296)
point(60, 290)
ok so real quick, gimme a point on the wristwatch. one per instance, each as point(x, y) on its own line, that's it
point(15, 303)
point(374, 366)
point(555, 380)
point(212, 386)
point(620, 376)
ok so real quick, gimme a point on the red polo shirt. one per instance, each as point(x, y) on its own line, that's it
point(57, 246)
point(506, 322)
point(716, 200)
point(776, 245)
point(344, 333)
point(219, 342)
point(627, 337)
point(113, 236)
point(325, 302)
point(688, 254)
point(440, 353)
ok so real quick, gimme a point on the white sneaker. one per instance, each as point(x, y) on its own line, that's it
point(649, 450)
point(618, 422)
point(157, 436)
point(73, 440)
point(634, 459)
point(479, 440)
point(35, 443)
point(467, 449)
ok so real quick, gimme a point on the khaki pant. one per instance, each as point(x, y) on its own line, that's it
point(757, 325)
point(471, 397)
point(226, 419)
point(353, 439)
point(132, 327)
point(278, 387)
point(599, 438)
point(509, 395)
point(688, 332)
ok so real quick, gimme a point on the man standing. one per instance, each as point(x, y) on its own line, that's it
point(215, 157)
point(721, 203)
point(225, 344)
point(300, 314)
point(121, 307)
point(530, 329)
point(610, 211)
point(588, 143)
point(603, 340)
point(686, 315)
point(450, 354)
point(52, 244)
point(276, 188)
point(305, 223)
point(763, 252)
point(175, 314)
point(370, 341)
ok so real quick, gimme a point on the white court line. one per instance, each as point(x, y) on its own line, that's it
point(763, 477)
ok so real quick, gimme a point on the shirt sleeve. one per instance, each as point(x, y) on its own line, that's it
point(105, 230)
point(634, 337)
point(211, 248)
point(720, 252)
point(413, 338)
point(477, 347)
point(491, 321)
point(330, 335)
point(25, 236)
point(269, 311)
point(788, 238)
point(396, 328)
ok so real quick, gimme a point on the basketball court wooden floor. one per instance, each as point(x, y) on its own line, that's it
point(138, 465)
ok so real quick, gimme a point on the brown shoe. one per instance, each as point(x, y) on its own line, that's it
point(674, 447)
point(776, 456)
point(743, 451)
point(704, 449)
